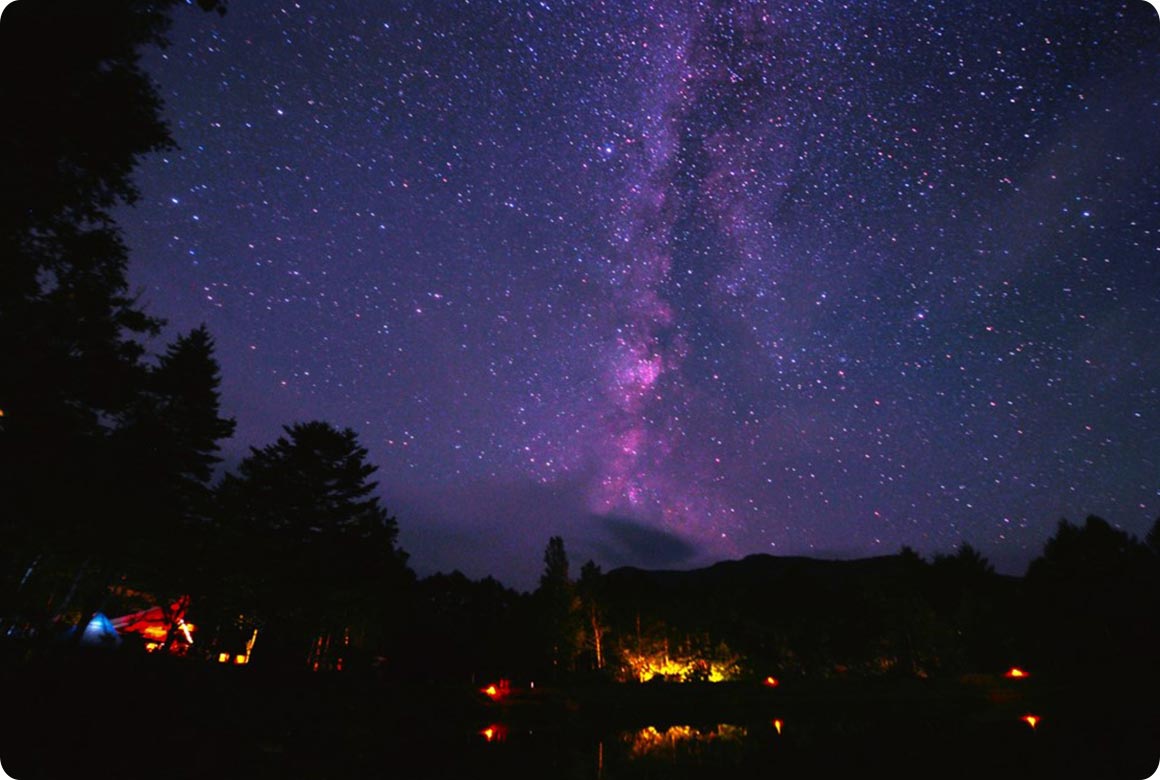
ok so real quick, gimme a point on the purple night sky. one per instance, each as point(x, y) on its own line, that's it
point(679, 281)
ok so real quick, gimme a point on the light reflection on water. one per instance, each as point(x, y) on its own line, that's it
point(789, 746)
point(651, 741)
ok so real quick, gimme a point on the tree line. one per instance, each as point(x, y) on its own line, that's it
point(1089, 603)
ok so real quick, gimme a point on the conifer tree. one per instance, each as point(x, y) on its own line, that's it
point(315, 555)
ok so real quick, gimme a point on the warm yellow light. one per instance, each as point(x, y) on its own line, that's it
point(777, 724)
point(1031, 720)
point(241, 659)
point(156, 633)
point(771, 682)
point(497, 690)
point(1015, 672)
point(645, 667)
point(223, 658)
point(250, 644)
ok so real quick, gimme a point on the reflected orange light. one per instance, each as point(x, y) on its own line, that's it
point(1014, 672)
point(771, 682)
point(777, 724)
point(650, 741)
point(1031, 720)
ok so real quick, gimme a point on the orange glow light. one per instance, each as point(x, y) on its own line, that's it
point(1031, 720)
point(1014, 672)
point(497, 690)
point(155, 632)
point(223, 658)
point(771, 682)
point(241, 659)
point(777, 724)
point(496, 732)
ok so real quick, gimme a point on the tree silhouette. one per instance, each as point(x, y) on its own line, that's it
point(465, 630)
point(1153, 538)
point(314, 555)
point(169, 440)
point(557, 609)
point(591, 593)
point(71, 364)
point(1092, 596)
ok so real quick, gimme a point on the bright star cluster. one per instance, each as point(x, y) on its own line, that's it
point(680, 280)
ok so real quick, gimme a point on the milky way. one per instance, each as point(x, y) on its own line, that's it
point(680, 281)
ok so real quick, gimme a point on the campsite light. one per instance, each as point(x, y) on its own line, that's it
point(777, 725)
point(1031, 720)
point(1015, 672)
point(223, 658)
point(497, 690)
point(771, 682)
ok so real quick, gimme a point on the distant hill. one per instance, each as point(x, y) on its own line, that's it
point(773, 575)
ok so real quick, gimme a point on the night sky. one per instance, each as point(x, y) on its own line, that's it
point(679, 281)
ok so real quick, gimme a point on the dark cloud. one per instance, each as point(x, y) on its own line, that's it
point(494, 527)
point(625, 542)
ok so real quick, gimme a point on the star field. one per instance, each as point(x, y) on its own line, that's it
point(800, 278)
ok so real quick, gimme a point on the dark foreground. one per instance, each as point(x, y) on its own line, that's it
point(129, 717)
